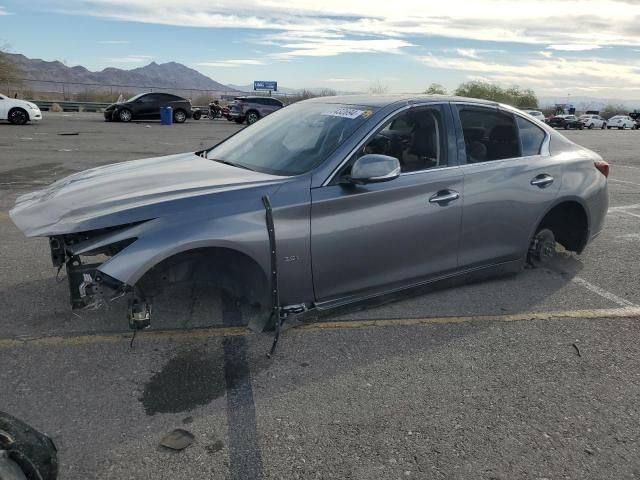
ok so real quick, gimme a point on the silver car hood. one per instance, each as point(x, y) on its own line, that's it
point(127, 192)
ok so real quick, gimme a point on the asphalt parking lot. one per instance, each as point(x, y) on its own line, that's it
point(528, 376)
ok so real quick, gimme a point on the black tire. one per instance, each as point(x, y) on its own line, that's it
point(125, 115)
point(239, 120)
point(197, 115)
point(18, 116)
point(590, 127)
point(252, 117)
point(566, 126)
point(608, 128)
point(542, 248)
point(581, 127)
point(179, 116)
point(621, 128)
point(604, 125)
point(34, 452)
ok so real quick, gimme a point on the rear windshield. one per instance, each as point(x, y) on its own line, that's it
point(292, 140)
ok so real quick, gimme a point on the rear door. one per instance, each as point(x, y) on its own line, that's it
point(510, 181)
point(378, 236)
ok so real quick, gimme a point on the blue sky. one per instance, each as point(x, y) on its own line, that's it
point(557, 48)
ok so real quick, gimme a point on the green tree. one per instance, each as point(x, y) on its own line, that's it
point(378, 88)
point(514, 96)
point(436, 89)
point(611, 110)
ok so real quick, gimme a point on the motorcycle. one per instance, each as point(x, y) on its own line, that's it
point(215, 111)
point(218, 111)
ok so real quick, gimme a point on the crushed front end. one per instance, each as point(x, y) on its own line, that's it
point(82, 255)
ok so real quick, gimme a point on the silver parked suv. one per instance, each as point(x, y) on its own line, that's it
point(252, 109)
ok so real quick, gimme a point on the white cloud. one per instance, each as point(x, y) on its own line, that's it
point(114, 42)
point(546, 54)
point(347, 80)
point(546, 73)
point(467, 52)
point(3, 11)
point(573, 47)
point(230, 63)
point(525, 21)
point(129, 59)
point(322, 47)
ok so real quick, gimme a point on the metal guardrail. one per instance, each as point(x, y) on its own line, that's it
point(45, 105)
point(72, 106)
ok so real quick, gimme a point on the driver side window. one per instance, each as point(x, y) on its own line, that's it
point(414, 137)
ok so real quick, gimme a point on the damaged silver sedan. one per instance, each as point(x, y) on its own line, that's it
point(325, 203)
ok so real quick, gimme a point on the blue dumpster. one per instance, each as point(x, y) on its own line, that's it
point(166, 115)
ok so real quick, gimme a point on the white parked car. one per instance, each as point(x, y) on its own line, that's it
point(17, 111)
point(621, 122)
point(593, 121)
point(535, 114)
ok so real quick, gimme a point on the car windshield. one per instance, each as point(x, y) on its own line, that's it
point(292, 140)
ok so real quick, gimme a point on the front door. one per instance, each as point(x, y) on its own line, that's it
point(149, 106)
point(385, 235)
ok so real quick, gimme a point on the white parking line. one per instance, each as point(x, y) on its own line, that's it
point(627, 213)
point(624, 207)
point(603, 293)
point(615, 180)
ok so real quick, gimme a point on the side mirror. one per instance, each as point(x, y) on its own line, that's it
point(374, 169)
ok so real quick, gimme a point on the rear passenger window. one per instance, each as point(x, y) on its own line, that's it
point(531, 137)
point(489, 135)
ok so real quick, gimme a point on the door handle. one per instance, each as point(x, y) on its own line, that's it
point(445, 196)
point(542, 181)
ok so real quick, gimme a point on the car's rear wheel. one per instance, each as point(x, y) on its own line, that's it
point(590, 127)
point(197, 115)
point(542, 248)
point(604, 125)
point(125, 115)
point(179, 116)
point(18, 116)
point(621, 128)
point(252, 117)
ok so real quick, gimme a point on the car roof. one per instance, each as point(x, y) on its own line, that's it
point(386, 100)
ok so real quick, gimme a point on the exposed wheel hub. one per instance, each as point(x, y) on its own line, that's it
point(542, 249)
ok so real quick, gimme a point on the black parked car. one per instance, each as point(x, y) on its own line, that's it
point(146, 106)
point(566, 122)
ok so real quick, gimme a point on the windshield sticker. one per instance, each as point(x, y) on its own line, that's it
point(344, 113)
point(367, 114)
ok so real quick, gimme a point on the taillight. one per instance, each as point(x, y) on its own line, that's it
point(603, 167)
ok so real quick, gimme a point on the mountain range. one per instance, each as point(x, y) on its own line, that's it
point(169, 75)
